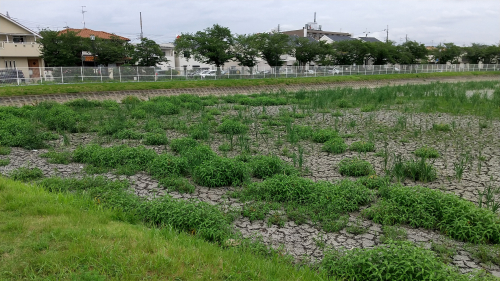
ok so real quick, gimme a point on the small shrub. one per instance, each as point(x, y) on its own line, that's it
point(128, 134)
point(232, 127)
point(335, 146)
point(159, 108)
point(166, 165)
point(393, 233)
point(133, 100)
point(155, 139)
point(138, 114)
point(19, 132)
point(60, 118)
point(362, 146)
point(179, 145)
point(181, 185)
point(198, 154)
point(420, 170)
point(26, 174)
point(57, 157)
point(441, 127)
point(200, 131)
point(5, 150)
point(220, 172)
point(343, 103)
point(268, 166)
point(355, 167)
point(324, 135)
point(427, 152)
point(394, 261)
point(4, 162)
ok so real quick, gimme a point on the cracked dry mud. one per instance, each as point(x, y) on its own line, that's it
point(305, 241)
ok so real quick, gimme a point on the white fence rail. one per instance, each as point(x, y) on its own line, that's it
point(70, 75)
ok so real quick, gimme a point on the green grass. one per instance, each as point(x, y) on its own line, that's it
point(355, 167)
point(427, 152)
point(101, 87)
point(53, 236)
point(432, 209)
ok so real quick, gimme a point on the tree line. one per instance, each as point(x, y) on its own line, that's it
point(66, 49)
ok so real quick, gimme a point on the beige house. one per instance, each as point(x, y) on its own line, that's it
point(19, 48)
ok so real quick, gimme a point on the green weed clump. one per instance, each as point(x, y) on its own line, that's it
point(267, 166)
point(441, 127)
point(362, 146)
point(324, 135)
point(57, 157)
point(232, 127)
point(5, 150)
point(420, 170)
point(322, 202)
point(355, 167)
point(19, 132)
point(159, 108)
point(432, 209)
point(4, 162)
point(393, 233)
point(182, 144)
point(335, 146)
point(131, 159)
point(200, 131)
point(166, 165)
point(178, 184)
point(197, 155)
point(155, 139)
point(26, 174)
point(394, 261)
point(220, 171)
point(56, 116)
point(127, 134)
point(427, 152)
point(194, 217)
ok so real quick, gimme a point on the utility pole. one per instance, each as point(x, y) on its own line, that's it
point(278, 28)
point(387, 38)
point(406, 37)
point(140, 15)
point(83, 15)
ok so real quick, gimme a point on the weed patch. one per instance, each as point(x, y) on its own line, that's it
point(355, 167)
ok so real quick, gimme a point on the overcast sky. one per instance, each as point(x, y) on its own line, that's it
point(426, 21)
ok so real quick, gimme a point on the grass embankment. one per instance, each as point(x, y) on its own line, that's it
point(56, 236)
point(116, 86)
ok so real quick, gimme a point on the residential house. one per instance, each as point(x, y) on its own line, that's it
point(369, 39)
point(335, 38)
point(19, 48)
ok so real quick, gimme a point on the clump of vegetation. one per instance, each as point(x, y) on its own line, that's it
point(432, 209)
point(19, 132)
point(393, 233)
point(335, 146)
point(179, 184)
point(427, 152)
point(4, 162)
point(232, 127)
point(445, 250)
point(441, 127)
point(388, 262)
point(5, 150)
point(26, 174)
point(220, 171)
point(166, 165)
point(324, 135)
point(362, 146)
point(127, 134)
point(179, 145)
point(420, 170)
point(355, 167)
point(268, 166)
point(57, 157)
point(155, 139)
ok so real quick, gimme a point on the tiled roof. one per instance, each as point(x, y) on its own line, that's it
point(369, 39)
point(337, 38)
point(87, 32)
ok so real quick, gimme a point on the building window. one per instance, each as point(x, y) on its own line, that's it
point(18, 39)
point(10, 64)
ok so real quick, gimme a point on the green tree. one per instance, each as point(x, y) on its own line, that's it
point(246, 50)
point(272, 46)
point(108, 51)
point(349, 52)
point(61, 49)
point(381, 52)
point(410, 52)
point(214, 45)
point(147, 53)
point(305, 50)
point(447, 52)
point(481, 53)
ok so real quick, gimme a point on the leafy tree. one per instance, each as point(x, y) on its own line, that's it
point(61, 49)
point(212, 46)
point(305, 50)
point(246, 50)
point(447, 52)
point(147, 53)
point(481, 53)
point(108, 51)
point(350, 52)
point(381, 52)
point(410, 52)
point(272, 46)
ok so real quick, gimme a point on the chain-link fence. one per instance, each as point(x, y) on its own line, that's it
point(68, 75)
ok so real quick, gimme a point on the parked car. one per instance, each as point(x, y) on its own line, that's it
point(211, 73)
point(11, 75)
point(334, 71)
point(310, 71)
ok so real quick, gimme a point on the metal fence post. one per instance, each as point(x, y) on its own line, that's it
point(17, 76)
point(81, 73)
point(62, 76)
point(40, 73)
point(100, 73)
point(138, 77)
point(120, 73)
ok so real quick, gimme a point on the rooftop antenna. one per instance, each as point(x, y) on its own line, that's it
point(366, 32)
point(8, 14)
point(83, 15)
point(314, 17)
point(387, 38)
point(140, 15)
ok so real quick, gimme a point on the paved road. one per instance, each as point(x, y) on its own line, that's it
point(145, 94)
